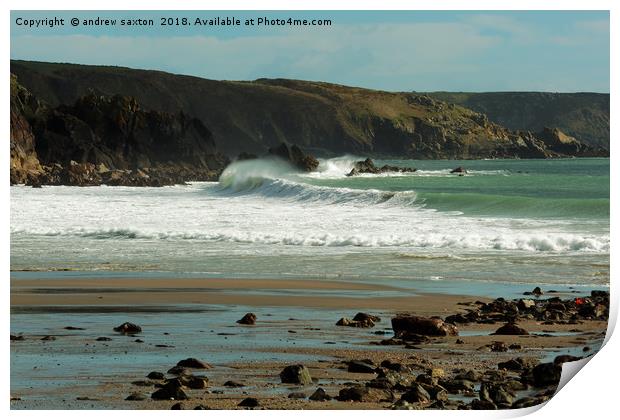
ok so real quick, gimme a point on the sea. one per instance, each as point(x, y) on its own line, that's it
point(511, 224)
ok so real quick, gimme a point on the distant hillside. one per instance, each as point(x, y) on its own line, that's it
point(321, 117)
point(581, 115)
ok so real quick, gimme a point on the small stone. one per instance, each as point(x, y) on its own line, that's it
point(248, 319)
point(128, 328)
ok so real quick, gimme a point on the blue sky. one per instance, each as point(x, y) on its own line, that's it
point(552, 51)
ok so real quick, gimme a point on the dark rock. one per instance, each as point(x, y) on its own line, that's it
point(498, 346)
point(547, 374)
point(296, 374)
point(404, 325)
point(495, 393)
point(368, 167)
point(416, 394)
point(362, 317)
point(17, 337)
point(296, 157)
point(477, 404)
point(565, 358)
point(510, 329)
point(73, 328)
point(458, 170)
point(136, 396)
point(178, 406)
point(202, 407)
point(359, 366)
point(128, 328)
point(233, 384)
point(248, 319)
point(457, 386)
point(397, 367)
point(48, 338)
point(346, 322)
point(103, 339)
point(155, 375)
point(179, 370)
point(360, 393)
point(194, 382)
point(319, 395)
point(249, 402)
point(297, 395)
point(193, 363)
point(171, 390)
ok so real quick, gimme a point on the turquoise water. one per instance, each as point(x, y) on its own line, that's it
point(505, 222)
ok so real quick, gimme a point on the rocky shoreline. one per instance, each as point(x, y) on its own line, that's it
point(427, 364)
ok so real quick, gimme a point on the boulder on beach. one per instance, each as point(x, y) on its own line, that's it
point(194, 382)
point(248, 319)
point(171, 390)
point(416, 394)
point(510, 329)
point(360, 320)
point(346, 322)
point(319, 395)
point(128, 328)
point(296, 374)
point(546, 374)
point(249, 402)
point(362, 316)
point(193, 363)
point(405, 325)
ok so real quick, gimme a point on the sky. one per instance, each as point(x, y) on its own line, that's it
point(474, 51)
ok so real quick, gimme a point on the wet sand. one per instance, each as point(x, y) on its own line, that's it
point(196, 318)
point(259, 293)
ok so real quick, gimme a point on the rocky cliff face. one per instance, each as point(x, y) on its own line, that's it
point(25, 165)
point(584, 116)
point(109, 140)
point(325, 118)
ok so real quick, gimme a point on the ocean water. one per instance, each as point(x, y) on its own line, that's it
point(506, 222)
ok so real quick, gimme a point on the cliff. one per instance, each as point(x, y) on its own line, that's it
point(253, 117)
point(111, 140)
point(584, 116)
